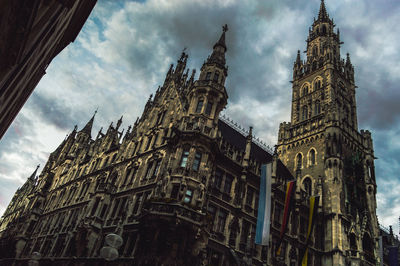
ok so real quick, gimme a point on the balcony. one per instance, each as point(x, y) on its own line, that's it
point(175, 210)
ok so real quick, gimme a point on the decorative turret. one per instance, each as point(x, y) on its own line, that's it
point(208, 96)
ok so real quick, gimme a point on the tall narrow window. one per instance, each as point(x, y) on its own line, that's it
point(208, 76)
point(156, 169)
point(317, 108)
point(305, 90)
point(175, 191)
point(228, 184)
point(216, 76)
point(212, 211)
point(305, 113)
point(197, 160)
point(312, 157)
point(249, 196)
point(138, 202)
point(299, 161)
point(221, 221)
point(209, 107)
point(307, 186)
point(148, 171)
point(218, 178)
point(184, 158)
point(199, 105)
point(149, 139)
point(188, 196)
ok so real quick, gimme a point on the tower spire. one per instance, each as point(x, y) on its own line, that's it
point(88, 127)
point(221, 41)
point(323, 14)
point(219, 49)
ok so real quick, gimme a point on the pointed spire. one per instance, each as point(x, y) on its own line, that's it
point(181, 64)
point(100, 133)
point(33, 175)
point(221, 41)
point(322, 15)
point(119, 122)
point(348, 62)
point(298, 58)
point(219, 49)
point(88, 127)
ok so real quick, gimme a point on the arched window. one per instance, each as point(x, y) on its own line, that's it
point(208, 76)
point(299, 161)
point(323, 29)
point(317, 85)
point(312, 157)
point(307, 186)
point(353, 242)
point(199, 105)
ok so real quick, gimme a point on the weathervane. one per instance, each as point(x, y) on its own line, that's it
point(225, 28)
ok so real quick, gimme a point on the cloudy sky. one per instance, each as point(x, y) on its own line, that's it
point(125, 48)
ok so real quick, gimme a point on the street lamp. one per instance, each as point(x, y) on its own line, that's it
point(110, 251)
point(35, 259)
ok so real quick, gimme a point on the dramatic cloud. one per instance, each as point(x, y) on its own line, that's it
point(125, 49)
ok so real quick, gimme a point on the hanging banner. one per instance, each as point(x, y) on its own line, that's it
point(264, 206)
point(314, 200)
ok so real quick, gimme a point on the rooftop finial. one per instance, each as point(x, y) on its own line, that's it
point(225, 28)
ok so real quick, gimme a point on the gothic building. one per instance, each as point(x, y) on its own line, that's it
point(323, 148)
point(181, 185)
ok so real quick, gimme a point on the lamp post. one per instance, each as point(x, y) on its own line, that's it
point(110, 251)
point(35, 259)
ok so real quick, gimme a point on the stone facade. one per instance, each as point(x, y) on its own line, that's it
point(325, 151)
